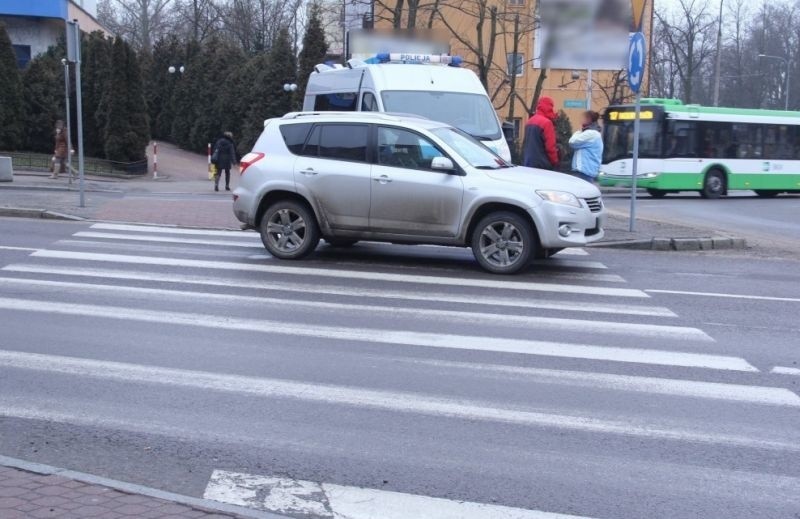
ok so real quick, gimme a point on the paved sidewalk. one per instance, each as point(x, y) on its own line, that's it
point(33, 491)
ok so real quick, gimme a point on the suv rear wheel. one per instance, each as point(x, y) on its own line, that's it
point(503, 242)
point(289, 230)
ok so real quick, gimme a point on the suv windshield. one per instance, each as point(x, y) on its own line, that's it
point(472, 113)
point(471, 150)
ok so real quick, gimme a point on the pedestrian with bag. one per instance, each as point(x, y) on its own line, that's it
point(58, 164)
point(539, 147)
point(587, 146)
point(224, 157)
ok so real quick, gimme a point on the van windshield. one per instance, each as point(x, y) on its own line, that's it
point(471, 113)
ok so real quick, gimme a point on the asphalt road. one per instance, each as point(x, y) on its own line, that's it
point(610, 384)
point(768, 222)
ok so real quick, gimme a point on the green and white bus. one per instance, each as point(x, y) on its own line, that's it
point(697, 148)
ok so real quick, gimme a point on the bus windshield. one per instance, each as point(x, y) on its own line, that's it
point(471, 113)
point(618, 140)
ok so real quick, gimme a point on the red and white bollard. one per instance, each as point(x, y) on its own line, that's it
point(155, 160)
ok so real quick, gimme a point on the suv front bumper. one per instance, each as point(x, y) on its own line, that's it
point(554, 220)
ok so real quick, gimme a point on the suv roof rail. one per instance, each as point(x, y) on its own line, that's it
point(387, 116)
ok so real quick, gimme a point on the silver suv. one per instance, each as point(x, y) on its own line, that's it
point(356, 176)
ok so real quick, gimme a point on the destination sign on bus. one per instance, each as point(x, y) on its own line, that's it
point(645, 115)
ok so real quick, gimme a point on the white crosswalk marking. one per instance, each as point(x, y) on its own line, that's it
point(320, 355)
point(328, 501)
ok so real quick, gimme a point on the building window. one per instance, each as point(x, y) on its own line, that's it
point(23, 54)
point(516, 3)
point(515, 64)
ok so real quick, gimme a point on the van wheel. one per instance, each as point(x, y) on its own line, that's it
point(656, 193)
point(713, 184)
point(289, 230)
point(503, 243)
point(763, 193)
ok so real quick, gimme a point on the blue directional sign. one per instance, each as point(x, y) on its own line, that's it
point(636, 59)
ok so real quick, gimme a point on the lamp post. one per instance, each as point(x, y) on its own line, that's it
point(289, 87)
point(172, 69)
point(65, 63)
point(786, 64)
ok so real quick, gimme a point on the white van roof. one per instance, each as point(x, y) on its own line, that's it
point(395, 76)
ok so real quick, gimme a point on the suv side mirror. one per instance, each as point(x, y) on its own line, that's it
point(442, 164)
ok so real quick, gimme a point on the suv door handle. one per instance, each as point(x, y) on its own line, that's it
point(309, 172)
point(383, 179)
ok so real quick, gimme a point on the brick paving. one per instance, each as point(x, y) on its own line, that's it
point(27, 495)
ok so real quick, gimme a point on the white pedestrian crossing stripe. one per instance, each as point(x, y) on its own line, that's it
point(328, 501)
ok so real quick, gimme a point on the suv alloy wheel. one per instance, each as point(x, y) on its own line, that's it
point(289, 230)
point(503, 243)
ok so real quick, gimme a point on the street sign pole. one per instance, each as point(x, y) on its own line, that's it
point(635, 165)
point(69, 120)
point(74, 55)
point(636, 61)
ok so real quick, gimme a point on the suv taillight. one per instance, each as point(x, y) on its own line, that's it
point(248, 160)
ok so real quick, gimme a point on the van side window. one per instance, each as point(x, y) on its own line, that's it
point(369, 103)
point(294, 135)
point(344, 142)
point(336, 102)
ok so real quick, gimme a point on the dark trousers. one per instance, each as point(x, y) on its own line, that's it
point(583, 176)
point(227, 176)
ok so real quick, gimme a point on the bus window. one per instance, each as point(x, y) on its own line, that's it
point(681, 141)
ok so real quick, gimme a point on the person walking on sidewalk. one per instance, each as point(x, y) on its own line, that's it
point(587, 145)
point(539, 148)
point(224, 157)
point(61, 151)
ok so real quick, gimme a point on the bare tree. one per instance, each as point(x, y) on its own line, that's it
point(689, 39)
point(141, 22)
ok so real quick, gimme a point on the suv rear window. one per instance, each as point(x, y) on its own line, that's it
point(294, 135)
point(344, 142)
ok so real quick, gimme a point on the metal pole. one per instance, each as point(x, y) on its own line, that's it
point(717, 65)
point(513, 85)
point(79, 111)
point(635, 168)
point(788, 84)
point(69, 120)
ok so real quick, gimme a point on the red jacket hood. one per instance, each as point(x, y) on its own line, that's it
point(546, 107)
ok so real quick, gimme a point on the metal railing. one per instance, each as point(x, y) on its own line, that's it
point(92, 166)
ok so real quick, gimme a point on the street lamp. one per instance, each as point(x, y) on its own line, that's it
point(289, 87)
point(172, 69)
point(786, 64)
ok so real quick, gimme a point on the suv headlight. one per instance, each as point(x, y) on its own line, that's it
point(560, 197)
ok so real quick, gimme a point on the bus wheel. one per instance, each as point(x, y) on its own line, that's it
point(714, 184)
point(766, 194)
point(656, 193)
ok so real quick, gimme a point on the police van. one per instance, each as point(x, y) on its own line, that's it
point(409, 84)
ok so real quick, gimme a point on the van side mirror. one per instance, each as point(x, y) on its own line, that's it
point(442, 164)
point(508, 131)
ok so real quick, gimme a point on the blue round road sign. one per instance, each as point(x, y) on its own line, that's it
point(636, 57)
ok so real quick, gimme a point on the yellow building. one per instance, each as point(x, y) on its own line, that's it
point(470, 25)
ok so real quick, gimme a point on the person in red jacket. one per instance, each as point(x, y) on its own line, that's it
point(539, 149)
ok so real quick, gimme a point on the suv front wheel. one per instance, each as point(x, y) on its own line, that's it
point(503, 242)
point(289, 230)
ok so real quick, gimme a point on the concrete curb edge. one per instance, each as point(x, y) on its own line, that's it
point(26, 212)
point(132, 488)
point(705, 243)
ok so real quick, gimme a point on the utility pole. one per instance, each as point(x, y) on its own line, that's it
point(717, 65)
point(69, 120)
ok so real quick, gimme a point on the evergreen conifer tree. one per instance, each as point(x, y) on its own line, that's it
point(10, 94)
point(43, 102)
point(95, 73)
point(269, 99)
point(563, 133)
point(126, 131)
point(314, 50)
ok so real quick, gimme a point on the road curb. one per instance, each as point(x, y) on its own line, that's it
point(205, 505)
point(704, 243)
point(26, 212)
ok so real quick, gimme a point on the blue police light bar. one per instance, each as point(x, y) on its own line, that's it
point(443, 59)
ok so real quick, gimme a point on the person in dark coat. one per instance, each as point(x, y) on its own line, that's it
point(225, 155)
point(61, 150)
point(539, 146)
